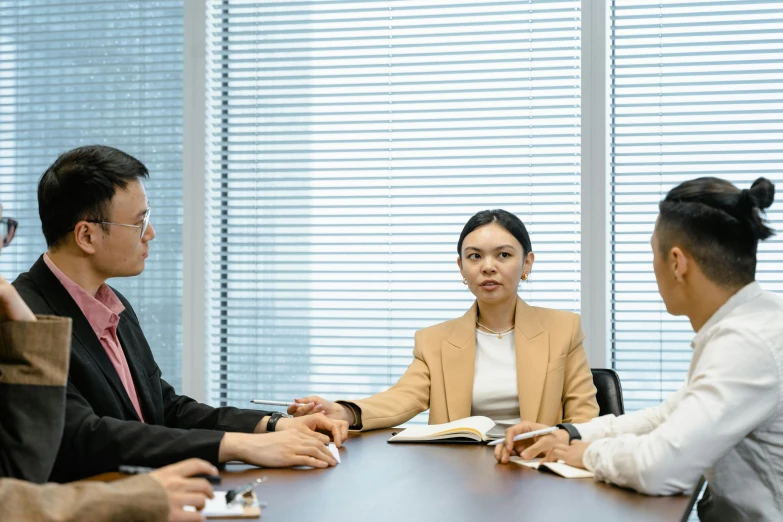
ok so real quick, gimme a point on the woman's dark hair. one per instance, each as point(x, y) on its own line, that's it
point(79, 185)
point(719, 225)
point(503, 218)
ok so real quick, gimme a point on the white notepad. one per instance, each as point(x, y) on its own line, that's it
point(564, 470)
point(218, 507)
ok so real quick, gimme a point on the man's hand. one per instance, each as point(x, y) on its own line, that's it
point(338, 429)
point(183, 491)
point(12, 307)
point(572, 454)
point(315, 404)
point(290, 447)
point(528, 448)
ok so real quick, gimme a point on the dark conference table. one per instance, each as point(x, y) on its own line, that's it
point(377, 481)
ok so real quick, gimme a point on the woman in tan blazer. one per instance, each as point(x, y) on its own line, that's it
point(470, 365)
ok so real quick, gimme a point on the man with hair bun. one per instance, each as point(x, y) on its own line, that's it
point(726, 421)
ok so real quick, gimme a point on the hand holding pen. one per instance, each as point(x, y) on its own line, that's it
point(534, 440)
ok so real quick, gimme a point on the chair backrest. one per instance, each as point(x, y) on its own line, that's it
point(610, 393)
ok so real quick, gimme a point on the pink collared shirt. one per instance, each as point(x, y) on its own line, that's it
point(103, 313)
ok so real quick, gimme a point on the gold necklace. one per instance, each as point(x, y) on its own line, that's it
point(499, 334)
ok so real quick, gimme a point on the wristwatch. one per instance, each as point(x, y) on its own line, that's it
point(573, 433)
point(272, 422)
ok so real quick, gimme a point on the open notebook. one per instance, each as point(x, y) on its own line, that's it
point(469, 429)
point(564, 470)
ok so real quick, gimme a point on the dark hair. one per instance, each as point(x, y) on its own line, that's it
point(503, 218)
point(80, 185)
point(719, 225)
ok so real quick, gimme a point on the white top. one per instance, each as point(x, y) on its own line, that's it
point(726, 421)
point(495, 392)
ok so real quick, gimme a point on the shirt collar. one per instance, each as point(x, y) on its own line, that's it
point(101, 311)
point(748, 293)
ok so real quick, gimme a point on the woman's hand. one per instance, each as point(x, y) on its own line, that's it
point(315, 404)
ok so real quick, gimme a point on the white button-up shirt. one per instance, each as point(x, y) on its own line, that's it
point(726, 422)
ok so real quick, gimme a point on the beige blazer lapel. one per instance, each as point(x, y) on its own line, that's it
point(532, 350)
point(458, 357)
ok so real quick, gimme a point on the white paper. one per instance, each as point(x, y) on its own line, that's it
point(562, 469)
point(335, 452)
point(218, 507)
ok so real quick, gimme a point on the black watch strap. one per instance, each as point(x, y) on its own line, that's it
point(272, 422)
point(573, 433)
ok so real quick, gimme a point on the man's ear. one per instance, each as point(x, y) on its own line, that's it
point(679, 263)
point(85, 236)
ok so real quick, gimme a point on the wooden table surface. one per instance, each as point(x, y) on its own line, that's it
point(377, 481)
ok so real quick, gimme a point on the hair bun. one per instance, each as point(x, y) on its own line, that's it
point(762, 192)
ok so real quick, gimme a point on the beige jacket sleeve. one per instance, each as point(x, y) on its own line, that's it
point(408, 397)
point(579, 402)
point(138, 499)
point(35, 353)
point(34, 358)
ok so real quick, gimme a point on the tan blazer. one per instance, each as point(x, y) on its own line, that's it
point(554, 381)
point(134, 499)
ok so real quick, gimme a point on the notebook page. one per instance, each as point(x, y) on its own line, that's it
point(478, 425)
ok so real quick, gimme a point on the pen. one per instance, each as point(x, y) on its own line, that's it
point(278, 403)
point(140, 470)
point(243, 490)
point(528, 435)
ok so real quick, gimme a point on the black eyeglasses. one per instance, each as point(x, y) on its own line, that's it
point(8, 228)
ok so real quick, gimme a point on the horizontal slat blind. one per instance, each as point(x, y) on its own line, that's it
point(697, 90)
point(76, 73)
point(348, 144)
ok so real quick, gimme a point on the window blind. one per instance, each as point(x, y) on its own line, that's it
point(696, 91)
point(349, 142)
point(84, 72)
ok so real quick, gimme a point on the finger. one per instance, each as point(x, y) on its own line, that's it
point(554, 454)
point(198, 485)
point(304, 460)
point(335, 428)
point(536, 449)
point(190, 499)
point(501, 454)
point(517, 429)
point(311, 399)
point(320, 437)
point(180, 515)
point(343, 431)
point(190, 467)
point(506, 455)
point(319, 452)
point(299, 410)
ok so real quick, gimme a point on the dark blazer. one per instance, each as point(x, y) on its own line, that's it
point(102, 429)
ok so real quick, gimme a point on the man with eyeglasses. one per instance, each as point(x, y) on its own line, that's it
point(119, 410)
point(34, 354)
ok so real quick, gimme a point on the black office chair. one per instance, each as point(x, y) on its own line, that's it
point(610, 393)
